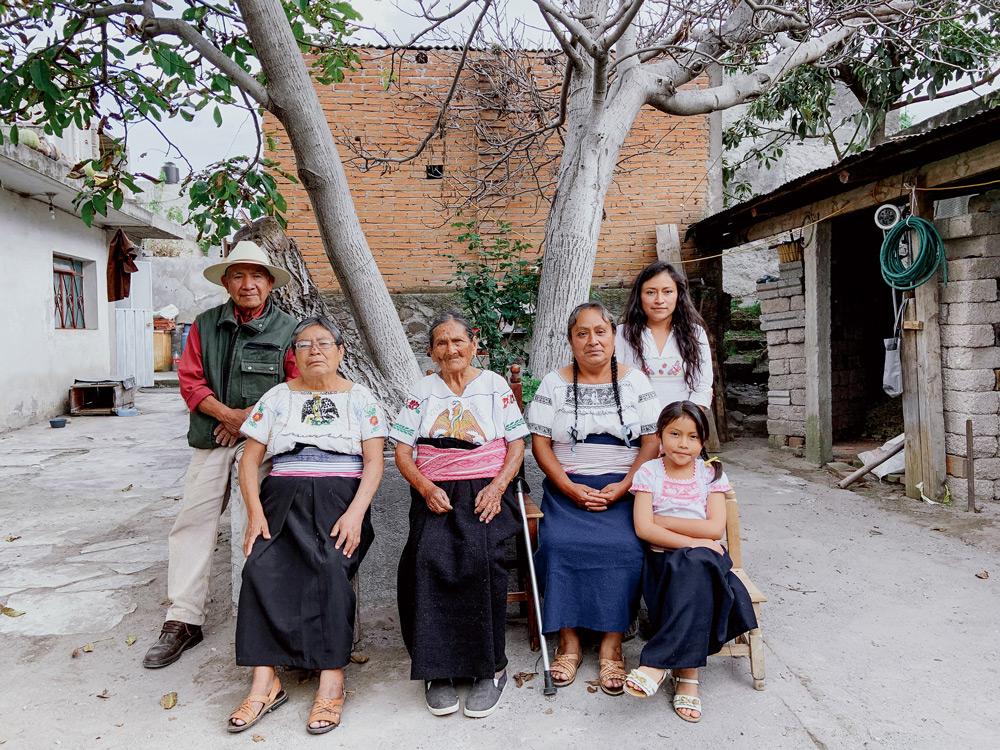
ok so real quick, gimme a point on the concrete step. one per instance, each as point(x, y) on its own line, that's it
point(746, 341)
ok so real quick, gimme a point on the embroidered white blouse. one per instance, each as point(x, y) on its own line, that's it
point(551, 413)
point(335, 421)
point(486, 411)
point(665, 368)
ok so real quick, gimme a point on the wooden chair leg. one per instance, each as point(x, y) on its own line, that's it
point(756, 641)
point(533, 640)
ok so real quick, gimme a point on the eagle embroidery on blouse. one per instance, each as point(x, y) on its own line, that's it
point(319, 411)
point(457, 423)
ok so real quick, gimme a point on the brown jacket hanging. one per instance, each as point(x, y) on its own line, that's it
point(121, 263)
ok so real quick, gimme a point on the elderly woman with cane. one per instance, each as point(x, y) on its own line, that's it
point(593, 424)
point(468, 433)
point(308, 528)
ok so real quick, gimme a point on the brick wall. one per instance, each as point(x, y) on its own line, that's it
point(970, 351)
point(406, 217)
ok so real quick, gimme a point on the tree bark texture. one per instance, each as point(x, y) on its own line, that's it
point(301, 298)
point(292, 99)
point(595, 133)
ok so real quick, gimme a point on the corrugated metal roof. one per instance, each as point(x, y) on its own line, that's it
point(908, 149)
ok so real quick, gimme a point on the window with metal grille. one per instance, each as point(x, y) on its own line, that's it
point(67, 285)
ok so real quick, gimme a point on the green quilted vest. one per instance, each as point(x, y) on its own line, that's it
point(241, 361)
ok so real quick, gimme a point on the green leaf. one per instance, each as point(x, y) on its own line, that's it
point(87, 213)
point(217, 115)
point(118, 199)
point(14, 135)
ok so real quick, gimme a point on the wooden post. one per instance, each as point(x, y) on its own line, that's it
point(668, 246)
point(970, 464)
point(911, 400)
point(819, 420)
point(930, 385)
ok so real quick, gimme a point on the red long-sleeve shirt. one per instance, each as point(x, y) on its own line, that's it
point(191, 369)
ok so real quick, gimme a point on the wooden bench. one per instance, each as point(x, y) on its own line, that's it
point(749, 644)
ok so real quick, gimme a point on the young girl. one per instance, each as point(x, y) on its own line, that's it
point(663, 335)
point(695, 601)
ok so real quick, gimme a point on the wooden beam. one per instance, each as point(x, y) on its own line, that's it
point(911, 401)
point(819, 421)
point(954, 169)
point(931, 395)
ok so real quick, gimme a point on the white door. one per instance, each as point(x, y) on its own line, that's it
point(134, 328)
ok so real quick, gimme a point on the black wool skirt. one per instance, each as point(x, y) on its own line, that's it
point(696, 604)
point(452, 585)
point(297, 604)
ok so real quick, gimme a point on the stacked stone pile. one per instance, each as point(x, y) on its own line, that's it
point(970, 350)
point(782, 318)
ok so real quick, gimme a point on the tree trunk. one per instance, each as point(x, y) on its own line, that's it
point(301, 298)
point(293, 100)
point(573, 229)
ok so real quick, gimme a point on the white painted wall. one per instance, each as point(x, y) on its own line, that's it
point(39, 362)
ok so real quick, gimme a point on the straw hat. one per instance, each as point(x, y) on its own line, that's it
point(246, 252)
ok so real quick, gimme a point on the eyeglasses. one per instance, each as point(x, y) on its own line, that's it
point(322, 345)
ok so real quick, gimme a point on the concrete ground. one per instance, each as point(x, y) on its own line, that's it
point(879, 633)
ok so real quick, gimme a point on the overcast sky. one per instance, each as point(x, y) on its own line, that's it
point(202, 142)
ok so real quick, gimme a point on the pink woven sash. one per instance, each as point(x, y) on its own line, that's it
point(450, 464)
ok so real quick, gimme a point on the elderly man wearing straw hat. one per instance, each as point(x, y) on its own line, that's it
point(235, 352)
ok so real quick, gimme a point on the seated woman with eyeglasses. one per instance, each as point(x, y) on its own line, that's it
point(308, 527)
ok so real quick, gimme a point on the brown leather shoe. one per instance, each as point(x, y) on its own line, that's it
point(175, 638)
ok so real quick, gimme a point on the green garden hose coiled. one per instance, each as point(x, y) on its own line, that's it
point(924, 265)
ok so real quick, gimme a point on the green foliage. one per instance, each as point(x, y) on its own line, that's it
point(498, 289)
point(885, 67)
point(63, 65)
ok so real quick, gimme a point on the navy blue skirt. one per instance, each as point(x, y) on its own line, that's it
point(588, 564)
point(696, 605)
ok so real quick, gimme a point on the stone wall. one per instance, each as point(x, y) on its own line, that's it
point(970, 351)
point(782, 318)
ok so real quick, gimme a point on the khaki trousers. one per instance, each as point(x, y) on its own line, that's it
point(192, 539)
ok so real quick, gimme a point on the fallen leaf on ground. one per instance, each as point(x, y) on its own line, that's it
point(389, 627)
point(168, 701)
point(348, 692)
point(984, 575)
point(104, 694)
point(359, 659)
point(522, 677)
point(75, 652)
point(89, 647)
point(126, 489)
point(591, 689)
point(12, 539)
point(119, 725)
point(940, 528)
point(11, 612)
point(258, 738)
point(129, 640)
point(547, 711)
point(595, 683)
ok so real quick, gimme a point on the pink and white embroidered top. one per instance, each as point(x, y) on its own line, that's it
point(680, 498)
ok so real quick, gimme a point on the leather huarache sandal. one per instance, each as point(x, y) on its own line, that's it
point(686, 701)
point(646, 685)
point(612, 669)
point(248, 716)
point(567, 664)
point(325, 709)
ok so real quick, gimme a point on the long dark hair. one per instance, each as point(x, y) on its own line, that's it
point(685, 320)
point(573, 316)
point(678, 409)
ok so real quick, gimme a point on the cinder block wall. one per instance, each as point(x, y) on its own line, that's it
point(782, 317)
point(970, 351)
point(406, 217)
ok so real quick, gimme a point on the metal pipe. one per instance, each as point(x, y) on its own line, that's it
point(520, 486)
